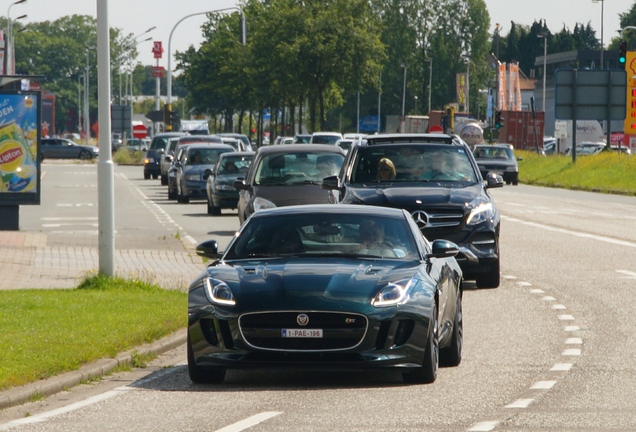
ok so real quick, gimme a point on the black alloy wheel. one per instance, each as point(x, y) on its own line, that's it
point(427, 374)
point(452, 355)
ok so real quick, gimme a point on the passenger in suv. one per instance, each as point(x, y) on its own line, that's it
point(436, 180)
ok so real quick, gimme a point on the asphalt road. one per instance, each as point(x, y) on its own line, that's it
point(551, 349)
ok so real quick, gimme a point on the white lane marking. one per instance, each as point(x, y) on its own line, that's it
point(537, 291)
point(543, 385)
point(39, 418)
point(629, 274)
point(573, 341)
point(524, 284)
point(571, 328)
point(249, 422)
point(573, 233)
point(572, 352)
point(562, 367)
point(67, 218)
point(520, 403)
point(75, 205)
point(484, 426)
point(509, 277)
point(558, 307)
point(566, 317)
point(94, 225)
point(548, 298)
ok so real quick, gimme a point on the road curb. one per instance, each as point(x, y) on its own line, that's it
point(23, 394)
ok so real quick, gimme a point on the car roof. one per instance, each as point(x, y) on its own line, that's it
point(410, 138)
point(237, 154)
point(309, 148)
point(349, 209)
point(199, 146)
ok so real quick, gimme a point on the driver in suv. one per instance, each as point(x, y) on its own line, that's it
point(436, 179)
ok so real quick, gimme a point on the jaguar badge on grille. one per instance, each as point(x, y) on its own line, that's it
point(302, 319)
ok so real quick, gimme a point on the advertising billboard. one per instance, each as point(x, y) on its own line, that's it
point(19, 148)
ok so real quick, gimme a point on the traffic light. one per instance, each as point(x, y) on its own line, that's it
point(622, 52)
point(498, 120)
point(450, 114)
point(175, 121)
point(167, 117)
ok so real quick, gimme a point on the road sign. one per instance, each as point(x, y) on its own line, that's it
point(157, 71)
point(157, 49)
point(590, 94)
point(630, 118)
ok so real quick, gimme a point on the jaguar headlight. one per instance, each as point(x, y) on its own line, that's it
point(262, 204)
point(481, 213)
point(393, 294)
point(219, 292)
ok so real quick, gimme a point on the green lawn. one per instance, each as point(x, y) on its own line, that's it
point(607, 172)
point(47, 332)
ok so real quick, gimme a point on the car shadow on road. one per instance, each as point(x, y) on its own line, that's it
point(177, 379)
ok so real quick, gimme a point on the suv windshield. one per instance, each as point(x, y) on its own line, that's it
point(412, 163)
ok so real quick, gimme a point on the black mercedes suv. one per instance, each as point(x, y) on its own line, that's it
point(436, 179)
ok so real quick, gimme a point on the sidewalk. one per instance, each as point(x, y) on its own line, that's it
point(33, 260)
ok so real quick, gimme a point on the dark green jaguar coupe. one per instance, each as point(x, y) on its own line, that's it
point(326, 287)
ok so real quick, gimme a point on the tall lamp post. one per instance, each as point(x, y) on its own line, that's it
point(87, 127)
point(169, 75)
point(602, 2)
point(467, 106)
point(544, 36)
point(430, 81)
point(8, 62)
point(403, 65)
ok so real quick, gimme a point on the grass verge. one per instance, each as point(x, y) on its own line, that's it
point(607, 172)
point(48, 332)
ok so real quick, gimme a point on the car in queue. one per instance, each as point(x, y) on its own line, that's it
point(173, 145)
point(152, 159)
point(63, 148)
point(191, 167)
point(245, 144)
point(322, 286)
point(220, 189)
point(284, 175)
point(436, 179)
point(498, 159)
point(325, 137)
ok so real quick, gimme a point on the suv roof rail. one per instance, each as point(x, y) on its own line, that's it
point(411, 138)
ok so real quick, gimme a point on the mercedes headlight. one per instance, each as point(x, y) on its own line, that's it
point(262, 204)
point(393, 294)
point(481, 213)
point(219, 292)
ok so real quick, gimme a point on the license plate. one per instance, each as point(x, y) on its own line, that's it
point(301, 333)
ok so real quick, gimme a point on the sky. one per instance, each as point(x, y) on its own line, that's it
point(137, 16)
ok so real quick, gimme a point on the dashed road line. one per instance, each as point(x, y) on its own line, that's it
point(249, 422)
point(568, 352)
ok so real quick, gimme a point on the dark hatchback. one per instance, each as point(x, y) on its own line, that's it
point(221, 192)
point(287, 175)
point(152, 159)
point(498, 159)
point(436, 179)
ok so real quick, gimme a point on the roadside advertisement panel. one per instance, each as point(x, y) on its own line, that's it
point(19, 137)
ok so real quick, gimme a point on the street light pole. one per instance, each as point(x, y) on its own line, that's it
point(545, 55)
point(8, 62)
point(602, 2)
point(430, 82)
point(169, 75)
point(403, 65)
